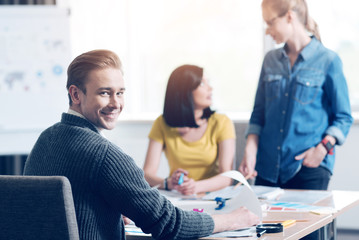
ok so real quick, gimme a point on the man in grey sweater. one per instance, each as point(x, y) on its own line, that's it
point(106, 182)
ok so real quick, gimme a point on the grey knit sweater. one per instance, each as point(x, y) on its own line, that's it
point(106, 183)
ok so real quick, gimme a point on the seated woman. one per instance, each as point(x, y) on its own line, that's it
point(198, 143)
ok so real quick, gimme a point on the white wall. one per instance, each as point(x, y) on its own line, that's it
point(132, 138)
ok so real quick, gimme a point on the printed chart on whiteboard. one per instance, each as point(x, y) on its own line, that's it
point(35, 53)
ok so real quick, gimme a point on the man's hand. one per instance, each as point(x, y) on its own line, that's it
point(126, 220)
point(237, 219)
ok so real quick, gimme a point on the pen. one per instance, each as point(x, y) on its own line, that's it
point(180, 180)
point(259, 234)
point(240, 183)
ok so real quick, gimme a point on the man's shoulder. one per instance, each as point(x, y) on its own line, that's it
point(73, 138)
point(62, 129)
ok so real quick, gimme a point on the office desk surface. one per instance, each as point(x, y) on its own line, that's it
point(307, 222)
point(341, 201)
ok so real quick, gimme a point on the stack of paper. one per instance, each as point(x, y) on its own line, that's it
point(268, 193)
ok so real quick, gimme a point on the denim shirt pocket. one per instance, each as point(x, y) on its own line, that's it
point(307, 87)
point(272, 86)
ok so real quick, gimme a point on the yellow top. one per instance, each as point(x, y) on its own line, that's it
point(199, 158)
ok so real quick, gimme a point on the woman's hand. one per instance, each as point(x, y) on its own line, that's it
point(248, 164)
point(188, 187)
point(173, 180)
point(315, 155)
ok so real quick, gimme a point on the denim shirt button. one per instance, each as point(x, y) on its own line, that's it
point(283, 112)
point(281, 130)
point(307, 83)
point(278, 147)
point(286, 94)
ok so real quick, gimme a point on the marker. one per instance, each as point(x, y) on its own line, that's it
point(259, 234)
point(198, 209)
point(180, 180)
point(288, 223)
point(240, 183)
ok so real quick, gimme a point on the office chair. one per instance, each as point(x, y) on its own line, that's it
point(37, 207)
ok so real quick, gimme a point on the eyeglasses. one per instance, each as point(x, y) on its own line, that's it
point(271, 22)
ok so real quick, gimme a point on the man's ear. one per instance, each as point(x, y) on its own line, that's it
point(74, 92)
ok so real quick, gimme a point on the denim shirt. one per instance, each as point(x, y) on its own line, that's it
point(296, 107)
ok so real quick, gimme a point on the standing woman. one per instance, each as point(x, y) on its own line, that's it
point(198, 143)
point(301, 109)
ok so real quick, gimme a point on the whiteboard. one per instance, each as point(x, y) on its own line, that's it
point(34, 56)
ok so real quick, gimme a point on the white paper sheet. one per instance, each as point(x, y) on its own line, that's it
point(226, 193)
point(248, 232)
point(237, 176)
point(246, 198)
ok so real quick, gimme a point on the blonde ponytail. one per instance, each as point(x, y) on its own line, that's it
point(312, 27)
point(301, 8)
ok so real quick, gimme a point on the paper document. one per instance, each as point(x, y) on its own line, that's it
point(226, 193)
point(237, 176)
point(262, 192)
point(132, 229)
point(305, 196)
point(268, 193)
point(298, 207)
point(244, 196)
point(248, 232)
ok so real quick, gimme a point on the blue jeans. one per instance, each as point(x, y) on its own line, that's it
point(307, 178)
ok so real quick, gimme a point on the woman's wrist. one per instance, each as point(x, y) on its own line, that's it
point(165, 183)
point(169, 183)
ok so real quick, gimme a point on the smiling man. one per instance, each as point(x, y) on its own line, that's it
point(106, 182)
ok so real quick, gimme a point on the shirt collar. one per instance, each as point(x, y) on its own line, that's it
point(73, 112)
point(307, 52)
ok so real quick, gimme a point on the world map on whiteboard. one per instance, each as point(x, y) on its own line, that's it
point(31, 61)
point(34, 55)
